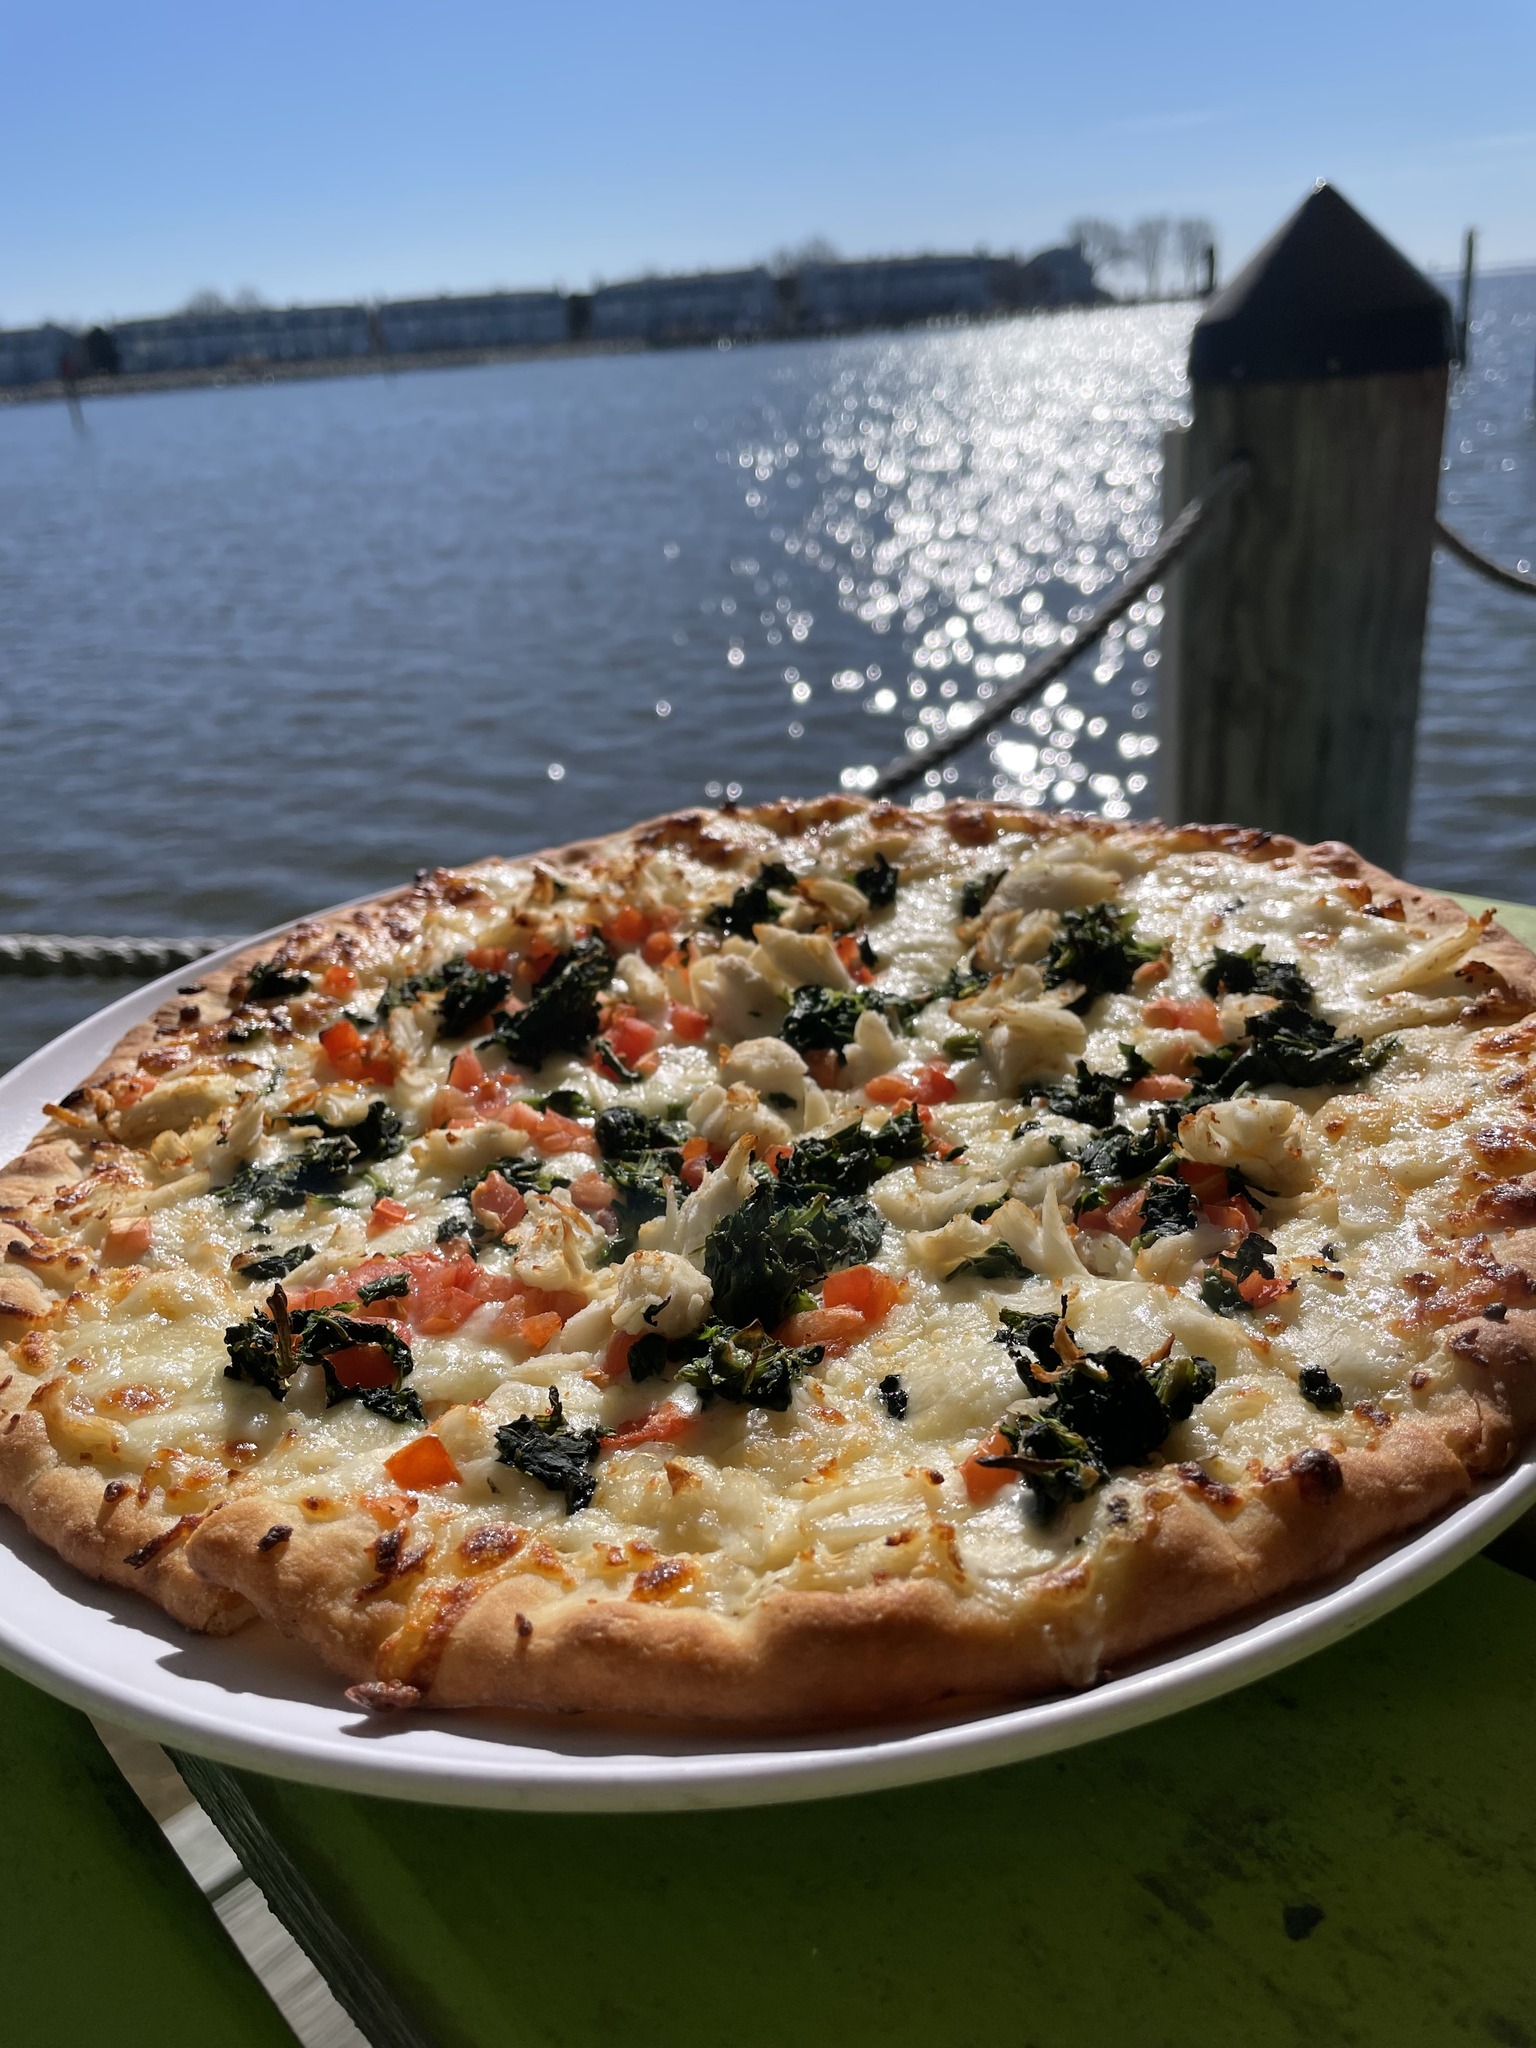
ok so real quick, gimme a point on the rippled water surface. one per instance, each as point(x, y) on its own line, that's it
point(265, 648)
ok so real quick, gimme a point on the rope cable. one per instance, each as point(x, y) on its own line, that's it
point(1463, 550)
point(908, 767)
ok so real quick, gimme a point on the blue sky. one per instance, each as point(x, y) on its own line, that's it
point(323, 151)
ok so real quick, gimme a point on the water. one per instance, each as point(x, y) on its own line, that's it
point(268, 647)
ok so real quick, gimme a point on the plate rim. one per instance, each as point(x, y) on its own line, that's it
point(489, 1768)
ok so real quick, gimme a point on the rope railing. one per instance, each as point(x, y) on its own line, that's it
point(52, 953)
point(1463, 550)
point(910, 767)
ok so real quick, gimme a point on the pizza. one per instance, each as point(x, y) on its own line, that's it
point(786, 1266)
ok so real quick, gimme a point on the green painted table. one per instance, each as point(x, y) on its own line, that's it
point(1345, 1853)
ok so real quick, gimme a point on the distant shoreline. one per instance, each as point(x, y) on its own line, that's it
point(129, 383)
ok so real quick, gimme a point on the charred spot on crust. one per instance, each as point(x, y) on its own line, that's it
point(278, 1533)
point(523, 1626)
point(1318, 1474)
point(385, 1696)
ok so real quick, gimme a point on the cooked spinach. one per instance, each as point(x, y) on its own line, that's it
point(564, 1102)
point(747, 1366)
point(1096, 948)
point(1289, 1045)
point(261, 1348)
point(879, 882)
point(618, 1069)
point(1118, 1157)
point(963, 979)
point(1168, 1208)
point(262, 1263)
point(388, 1287)
point(753, 903)
point(562, 1013)
point(647, 1356)
point(1089, 1098)
point(640, 1193)
point(1220, 1289)
point(998, 1262)
point(978, 891)
point(826, 1019)
point(379, 1135)
point(546, 1449)
point(469, 993)
point(893, 1397)
point(629, 1133)
point(1101, 1409)
point(1317, 1385)
point(1249, 974)
point(773, 1248)
point(848, 1161)
point(322, 1168)
point(266, 982)
point(266, 1350)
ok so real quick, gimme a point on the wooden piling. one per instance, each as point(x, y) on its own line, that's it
point(1464, 311)
point(1293, 635)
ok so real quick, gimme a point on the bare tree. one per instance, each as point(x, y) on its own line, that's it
point(248, 300)
point(1101, 241)
point(1148, 239)
point(814, 249)
point(206, 301)
point(1195, 237)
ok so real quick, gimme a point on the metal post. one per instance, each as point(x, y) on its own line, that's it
point(1290, 682)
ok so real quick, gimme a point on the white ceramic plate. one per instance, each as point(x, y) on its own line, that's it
point(258, 1702)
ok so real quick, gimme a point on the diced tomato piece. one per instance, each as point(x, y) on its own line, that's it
point(1206, 1183)
point(591, 1191)
point(338, 980)
point(1149, 974)
point(848, 952)
point(615, 1359)
point(873, 1293)
point(1184, 1013)
point(538, 1330)
point(1259, 1290)
point(496, 1201)
point(386, 1214)
point(929, 1084)
point(983, 1481)
point(422, 1462)
point(689, 1025)
point(836, 1328)
point(556, 1133)
point(466, 1073)
point(1121, 1219)
point(658, 949)
point(1236, 1213)
point(539, 959)
point(631, 1038)
point(663, 1425)
point(128, 1238)
point(626, 929)
point(341, 1040)
point(489, 959)
point(1159, 1088)
point(363, 1366)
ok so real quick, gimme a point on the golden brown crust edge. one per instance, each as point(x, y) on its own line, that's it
point(803, 1659)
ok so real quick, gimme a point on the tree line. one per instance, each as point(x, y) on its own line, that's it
point(1148, 249)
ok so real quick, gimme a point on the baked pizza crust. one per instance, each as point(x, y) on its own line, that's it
point(498, 1628)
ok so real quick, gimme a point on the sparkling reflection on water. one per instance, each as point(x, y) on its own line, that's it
point(267, 648)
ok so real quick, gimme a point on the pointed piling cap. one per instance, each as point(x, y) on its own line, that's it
point(1327, 296)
